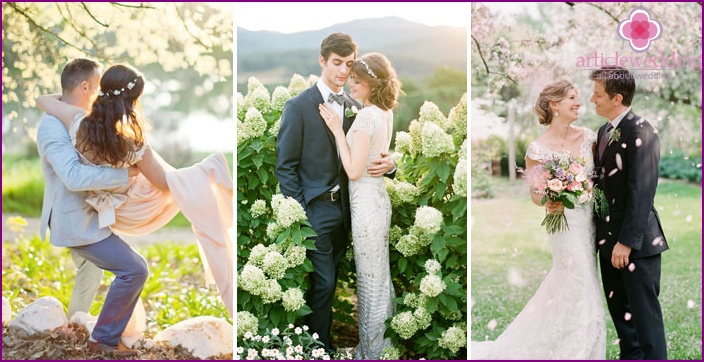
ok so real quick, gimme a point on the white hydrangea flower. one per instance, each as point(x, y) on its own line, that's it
point(252, 84)
point(273, 230)
point(295, 255)
point(241, 110)
point(271, 292)
point(404, 324)
point(423, 317)
point(403, 142)
point(429, 112)
point(253, 126)
point(246, 323)
point(390, 353)
point(459, 184)
point(297, 85)
point(463, 150)
point(289, 212)
point(275, 265)
point(275, 202)
point(259, 99)
point(274, 130)
point(395, 233)
point(256, 256)
point(432, 266)
point(279, 97)
point(435, 141)
point(408, 245)
point(312, 79)
point(453, 339)
point(458, 118)
point(407, 192)
point(251, 279)
point(431, 285)
point(428, 219)
point(415, 130)
point(292, 299)
point(258, 208)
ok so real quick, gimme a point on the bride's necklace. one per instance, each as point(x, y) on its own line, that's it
point(564, 138)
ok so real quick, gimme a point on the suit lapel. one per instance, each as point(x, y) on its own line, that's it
point(347, 121)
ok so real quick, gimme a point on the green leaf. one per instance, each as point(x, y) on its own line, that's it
point(402, 264)
point(444, 172)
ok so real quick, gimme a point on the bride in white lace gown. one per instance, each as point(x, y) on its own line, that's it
point(202, 192)
point(374, 82)
point(565, 317)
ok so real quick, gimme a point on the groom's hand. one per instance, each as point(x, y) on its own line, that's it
point(381, 166)
point(619, 257)
point(132, 171)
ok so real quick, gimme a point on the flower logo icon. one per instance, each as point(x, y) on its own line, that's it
point(639, 29)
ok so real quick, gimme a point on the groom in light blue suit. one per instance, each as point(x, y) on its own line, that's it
point(74, 224)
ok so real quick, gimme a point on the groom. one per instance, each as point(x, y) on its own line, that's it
point(74, 224)
point(309, 170)
point(630, 238)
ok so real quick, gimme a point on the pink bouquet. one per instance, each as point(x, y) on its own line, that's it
point(562, 178)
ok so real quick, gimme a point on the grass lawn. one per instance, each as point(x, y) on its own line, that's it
point(507, 239)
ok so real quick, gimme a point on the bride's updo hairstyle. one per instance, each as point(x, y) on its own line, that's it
point(376, 70)
point(113, 130)
point(554, 92)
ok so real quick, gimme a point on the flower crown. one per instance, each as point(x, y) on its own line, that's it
point(369, 70)
point(117, 92)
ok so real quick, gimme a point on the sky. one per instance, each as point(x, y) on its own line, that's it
point(296, 17)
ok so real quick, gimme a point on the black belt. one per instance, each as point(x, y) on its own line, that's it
point(329, 196)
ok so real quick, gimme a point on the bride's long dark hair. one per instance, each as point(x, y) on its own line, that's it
point(113, 130)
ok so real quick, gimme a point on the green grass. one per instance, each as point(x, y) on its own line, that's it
point(175, 290)
point(23, 188)
point(506, 233)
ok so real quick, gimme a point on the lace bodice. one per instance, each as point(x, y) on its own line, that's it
point(540, 152)
point(376, 123)
point(73, 132)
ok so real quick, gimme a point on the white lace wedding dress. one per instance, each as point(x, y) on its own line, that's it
point(565, 317)
point(371, 216)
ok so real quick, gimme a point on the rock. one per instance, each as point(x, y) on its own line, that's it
point(43, 315)
point(6, 311)
point(134, 331)
point(204, 336)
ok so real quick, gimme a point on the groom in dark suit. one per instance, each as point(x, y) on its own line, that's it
point(630, 238)
point(309, 170)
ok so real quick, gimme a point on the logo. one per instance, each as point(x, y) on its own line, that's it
point(639, 29)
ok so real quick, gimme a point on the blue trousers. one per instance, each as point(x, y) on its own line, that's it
point(131, 272)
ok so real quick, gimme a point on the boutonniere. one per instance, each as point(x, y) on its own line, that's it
point(351, 112)
point(615, 136)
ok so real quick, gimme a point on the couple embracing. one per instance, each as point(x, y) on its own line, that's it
point(565, 318)
point(332, 154)
point(102, 179)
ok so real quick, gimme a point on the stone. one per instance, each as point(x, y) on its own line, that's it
point(203, 336)
point(43, 315)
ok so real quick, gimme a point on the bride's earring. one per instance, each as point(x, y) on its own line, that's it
point(556, 114)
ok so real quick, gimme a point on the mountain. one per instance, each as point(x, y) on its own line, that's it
point(415, 50)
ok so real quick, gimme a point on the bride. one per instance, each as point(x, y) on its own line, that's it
point(565, 317)
point(113, 134)
point(373, 81)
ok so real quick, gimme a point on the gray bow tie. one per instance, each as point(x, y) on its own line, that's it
point(339, 98)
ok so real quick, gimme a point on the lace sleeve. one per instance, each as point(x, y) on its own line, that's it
point(366, 122)
point(138, 154)
point(589, 136)
point(534, 152)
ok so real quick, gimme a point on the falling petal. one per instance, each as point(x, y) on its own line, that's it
point(658, 241)
point(691, 304)
point(688, 218)
point(611, 294)
point(623, 145)
point(619, 162)
point(607, 218)
point(655, 131)
point(515, 278)
point(492, 324)
point(616, 341)
point(602, 242)
point(631, 267)
point(627, 316)
point(613, 201)
point(677, 212)
point(613, 172)
point(638, 142)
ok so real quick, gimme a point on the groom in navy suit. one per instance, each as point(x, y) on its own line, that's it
point(309, 170)
point(630, 238)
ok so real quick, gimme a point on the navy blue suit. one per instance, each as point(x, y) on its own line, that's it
point(308, 166)
point(628, 174)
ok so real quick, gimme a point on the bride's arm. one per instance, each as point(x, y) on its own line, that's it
point(52, 104)
point(352, 160)
point(154, 168)
point(550, 206)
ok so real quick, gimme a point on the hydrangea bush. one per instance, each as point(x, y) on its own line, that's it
point(428, 236)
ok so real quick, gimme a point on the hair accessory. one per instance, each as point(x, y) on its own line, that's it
point(556, 113)
point(369, 70)
point(117, 92)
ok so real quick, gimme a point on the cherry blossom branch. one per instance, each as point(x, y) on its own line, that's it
point(486, 66)
point(140, 6)
point(43, 29)
point(188, 30)
point(85, 7)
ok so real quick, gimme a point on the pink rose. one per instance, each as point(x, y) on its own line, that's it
point(555, 185)
point(574, 186)
point(576, 168)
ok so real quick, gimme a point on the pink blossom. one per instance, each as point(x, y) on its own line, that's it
point(576, 168)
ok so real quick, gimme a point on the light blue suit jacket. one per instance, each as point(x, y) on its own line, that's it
point(72, 221)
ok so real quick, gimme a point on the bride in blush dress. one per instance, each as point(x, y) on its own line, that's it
point(112, 135)
point(373, 81)
point(565, 317)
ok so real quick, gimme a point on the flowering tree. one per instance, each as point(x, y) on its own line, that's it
point(428, 234)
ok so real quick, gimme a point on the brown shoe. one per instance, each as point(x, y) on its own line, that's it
point(120, 350)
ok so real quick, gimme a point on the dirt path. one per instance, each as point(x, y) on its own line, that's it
point(177, 235)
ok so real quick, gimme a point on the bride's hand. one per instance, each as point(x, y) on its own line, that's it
point(332, 120)
point(554, 207)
